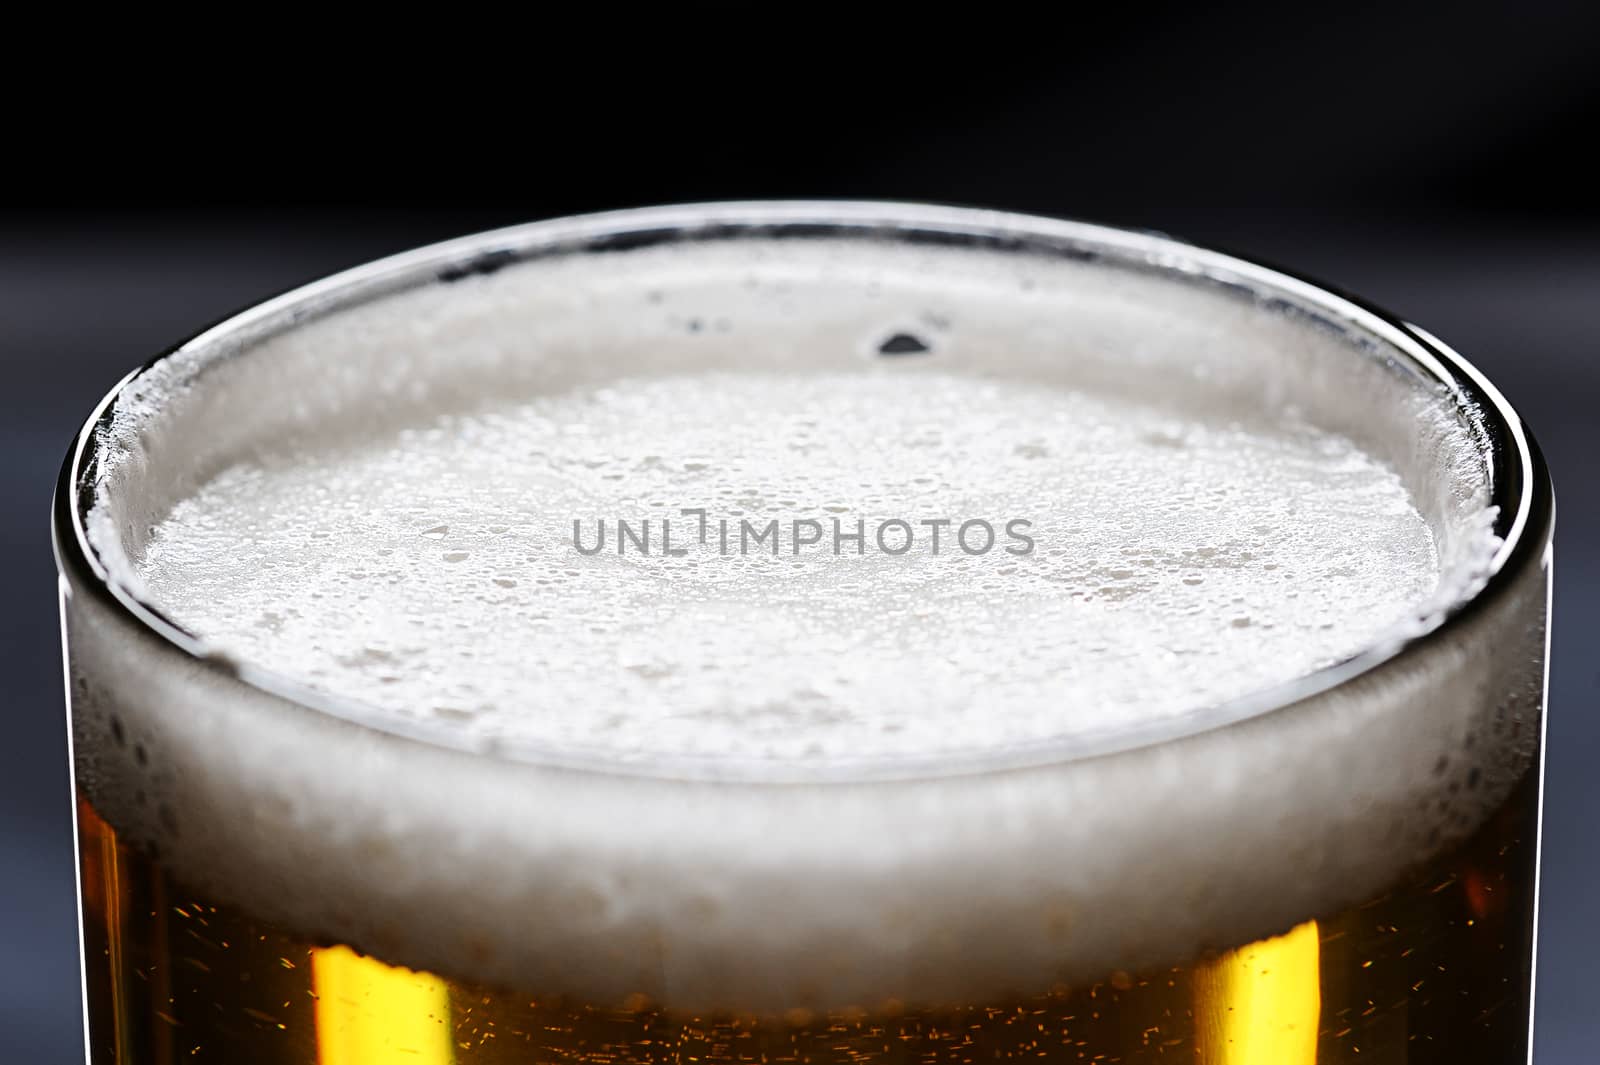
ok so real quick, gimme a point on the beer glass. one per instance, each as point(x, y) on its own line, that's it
point(1130, 840)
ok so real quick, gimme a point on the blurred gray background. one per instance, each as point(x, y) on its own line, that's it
point(1435, 166)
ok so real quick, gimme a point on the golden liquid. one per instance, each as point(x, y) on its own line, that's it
point(1436, 970)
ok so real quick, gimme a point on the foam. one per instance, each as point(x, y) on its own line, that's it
point(1170, 564)
point(746, 781)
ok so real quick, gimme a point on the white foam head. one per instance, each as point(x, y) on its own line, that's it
point(799, 773)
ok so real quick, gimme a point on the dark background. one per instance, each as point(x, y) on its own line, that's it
point(1433, 161)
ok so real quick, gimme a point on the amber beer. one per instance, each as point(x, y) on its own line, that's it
point(1436, 969)
point(1241, 764)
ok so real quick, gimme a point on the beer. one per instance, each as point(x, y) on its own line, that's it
point(792, 633)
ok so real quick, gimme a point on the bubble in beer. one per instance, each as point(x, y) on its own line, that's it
point(903, 344)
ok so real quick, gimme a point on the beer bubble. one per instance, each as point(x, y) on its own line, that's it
point(903, 344)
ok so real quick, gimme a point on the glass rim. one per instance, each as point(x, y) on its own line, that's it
point(1518, 477)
